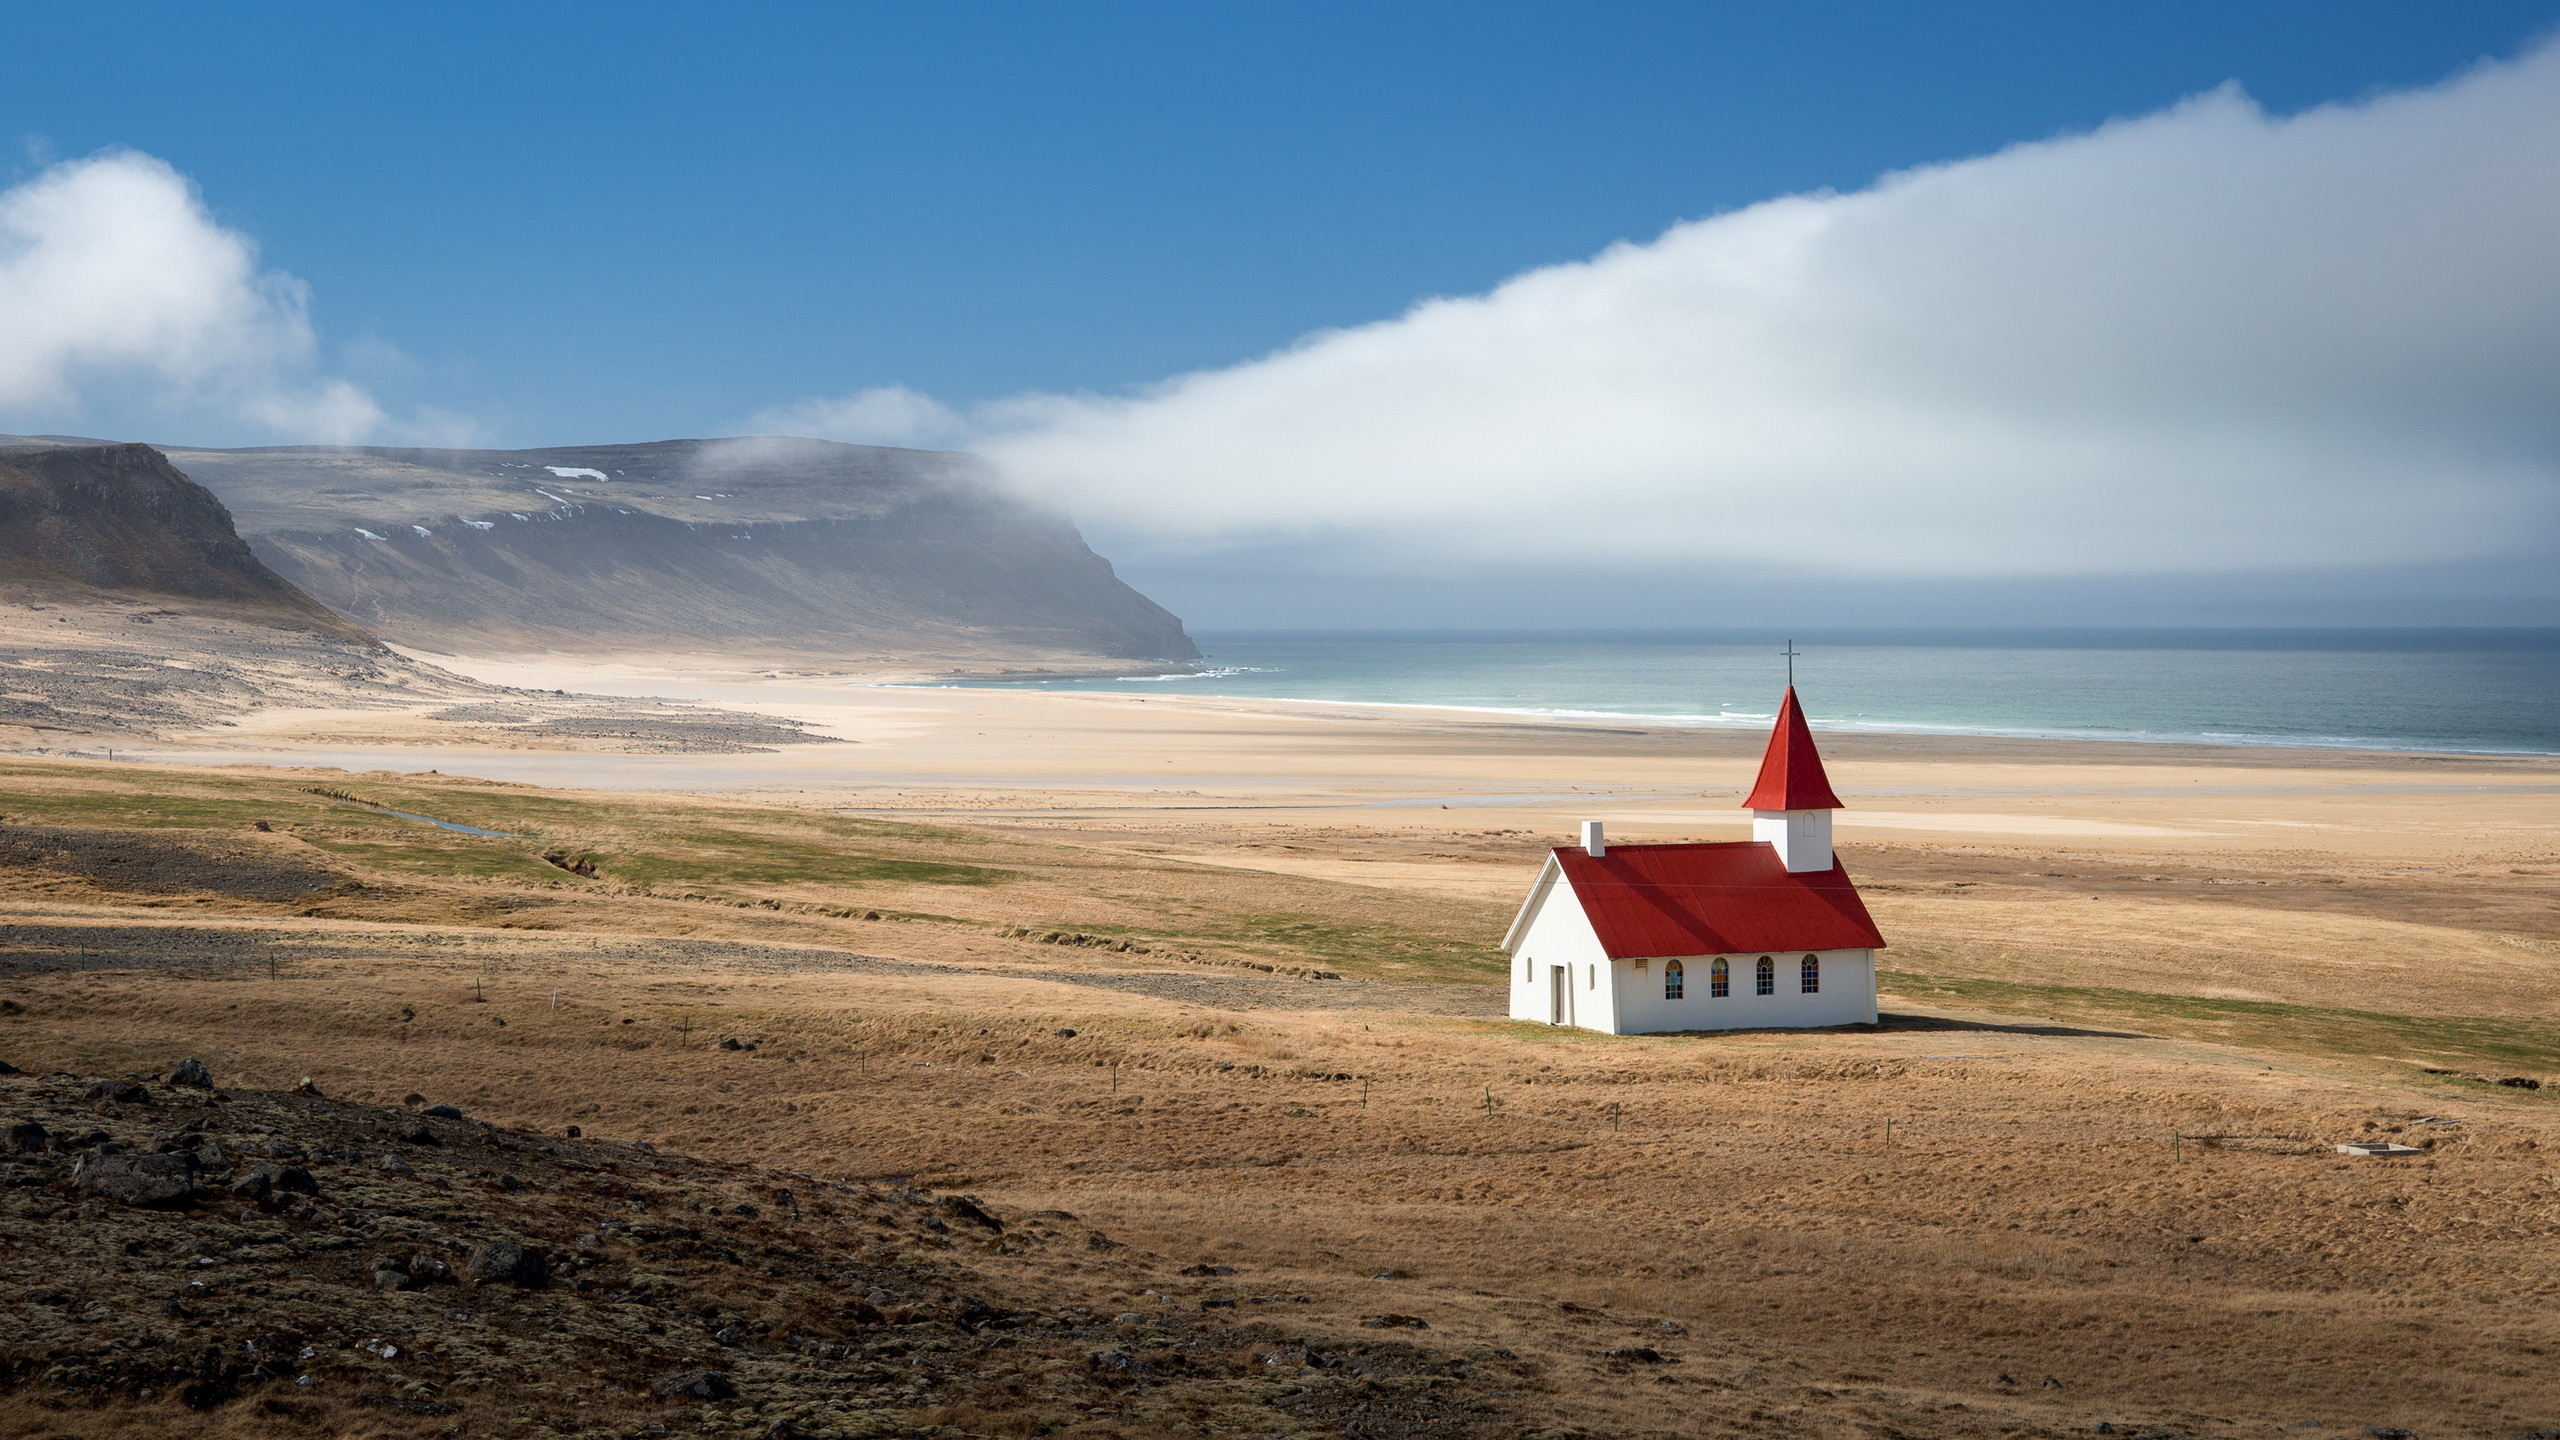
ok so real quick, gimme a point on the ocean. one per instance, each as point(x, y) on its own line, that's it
point(2492, 691)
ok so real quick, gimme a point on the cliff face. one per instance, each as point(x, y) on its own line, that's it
point(759, 548)
point(130, 610)
point(119, 518)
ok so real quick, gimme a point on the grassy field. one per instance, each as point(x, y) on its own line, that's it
point(1830, 1236)
point(602, 849)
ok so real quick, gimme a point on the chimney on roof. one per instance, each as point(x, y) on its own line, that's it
point(1594, 844)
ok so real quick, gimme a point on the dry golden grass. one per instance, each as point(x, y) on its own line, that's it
point(2033, 1215)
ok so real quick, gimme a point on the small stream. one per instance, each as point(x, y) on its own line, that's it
point(454, 826)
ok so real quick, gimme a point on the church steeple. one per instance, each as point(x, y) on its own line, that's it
point(1791, 804)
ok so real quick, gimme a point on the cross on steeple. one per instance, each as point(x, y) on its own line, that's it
point(1791, 652)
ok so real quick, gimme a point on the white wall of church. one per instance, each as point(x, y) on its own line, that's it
point(1559, 937)
point(1847, 997)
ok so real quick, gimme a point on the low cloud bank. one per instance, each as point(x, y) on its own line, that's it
point(114, 275)
point(2206, 339)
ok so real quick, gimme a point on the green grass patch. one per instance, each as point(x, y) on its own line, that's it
point(482, 860)
point(2526, 1045)
point(740, 860)
point(1371, 949)
point(699, 849)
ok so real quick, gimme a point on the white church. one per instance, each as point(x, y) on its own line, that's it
point(1739, 934)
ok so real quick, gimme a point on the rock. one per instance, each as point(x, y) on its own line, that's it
point(2513, 1082)
point(960, 1208)
point(1393, 1321)
point(1066, 1034)
point(304, 1086)
point(730, 1042)
point(388, 1276)
point(8, 1069)
point(270, 1183)
point(121, 1092)
point(192, 1074)
point(395, 1165)
point(428, 1269)
point(29, 1138)
point(1639, 1354)
point(442, 1112)
point(1206, 1270)
point(145, 1182)
point(574, 1133)
point(498, 1262)
point(1674, 1327)
point(1117, 1362)
point(509, 1184)
point(693, 1385)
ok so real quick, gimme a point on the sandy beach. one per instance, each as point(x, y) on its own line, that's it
point(1181, 761)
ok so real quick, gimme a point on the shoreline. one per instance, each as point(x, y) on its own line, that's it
point(1019, 754)
point(1760, 723)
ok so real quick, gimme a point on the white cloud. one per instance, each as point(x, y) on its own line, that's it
point(112, 273)
point(2205, 339)
point(883, 415)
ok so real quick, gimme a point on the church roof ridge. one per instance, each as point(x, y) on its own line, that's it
point(1713, 898)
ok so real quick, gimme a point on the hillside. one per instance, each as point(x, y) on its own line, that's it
point(761, 549)
point(120, 518)
point(131, 610)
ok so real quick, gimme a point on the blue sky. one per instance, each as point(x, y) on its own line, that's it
point(582, 222)
point(559, 223)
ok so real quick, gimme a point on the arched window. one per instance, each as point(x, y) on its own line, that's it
point(1719, 980)
point(1674, 981)
point(1812, 975)
point(1768, 976)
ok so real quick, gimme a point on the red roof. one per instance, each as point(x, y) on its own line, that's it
point(1717, 899)
point(1791, 775)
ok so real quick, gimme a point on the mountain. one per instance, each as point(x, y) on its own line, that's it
point(759, 549)
point(119, 518)
point(131, 609)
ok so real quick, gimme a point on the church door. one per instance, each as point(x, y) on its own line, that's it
point(1560, 994)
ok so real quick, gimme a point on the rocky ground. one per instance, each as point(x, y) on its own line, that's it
point(181, 1260)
